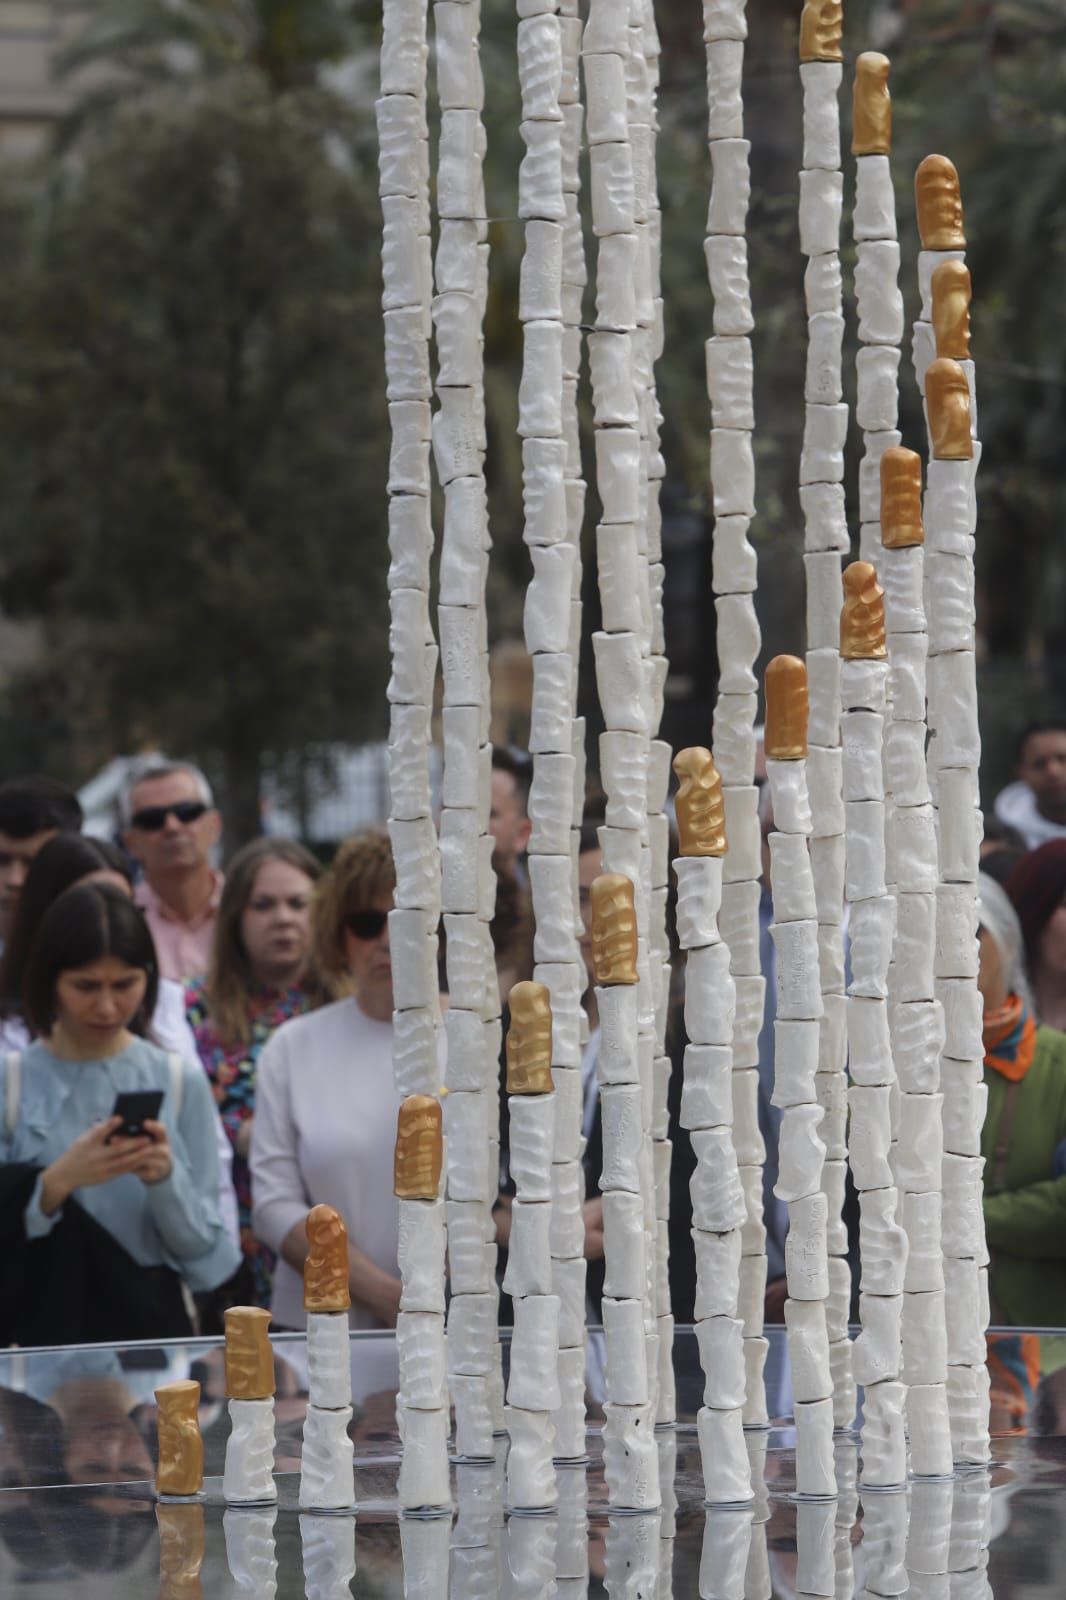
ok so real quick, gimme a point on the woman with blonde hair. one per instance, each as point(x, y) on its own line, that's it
point(325, 1124)
point(261, 975)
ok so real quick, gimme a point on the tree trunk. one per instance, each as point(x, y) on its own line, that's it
point(241, 819)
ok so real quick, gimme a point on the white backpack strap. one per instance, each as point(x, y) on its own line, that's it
point(177, 1083)
point(12, 1090)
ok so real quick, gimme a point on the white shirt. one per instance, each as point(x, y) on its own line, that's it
point(1016, 806)
point(325, 1133)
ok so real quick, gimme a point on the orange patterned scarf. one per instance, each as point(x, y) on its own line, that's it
point(1010, 1039)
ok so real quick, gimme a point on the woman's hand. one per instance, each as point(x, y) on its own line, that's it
point(95, 1157)
point(242, 1144)
point(155, 1163)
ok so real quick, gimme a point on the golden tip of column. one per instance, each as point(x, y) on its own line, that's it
point(785, 684)
point(938, 198)
point(821, 31)
point(947, 401)
point(862, 616)
point(614, 929)
point(529, 1039)
point(419, 1148)
point(901, 498)
point(326, 1267)
point(699, 805)
point(249, 1358)
point(871, 123)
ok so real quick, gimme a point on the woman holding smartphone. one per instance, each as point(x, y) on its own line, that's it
point(100, 1225)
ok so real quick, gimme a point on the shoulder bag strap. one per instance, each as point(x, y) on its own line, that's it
point(12, 1090)
point(177, 1083)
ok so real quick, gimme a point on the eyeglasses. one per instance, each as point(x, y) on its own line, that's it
point(366, 924)
point(152, 818)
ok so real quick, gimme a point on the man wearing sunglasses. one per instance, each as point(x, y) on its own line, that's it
point(171, 829)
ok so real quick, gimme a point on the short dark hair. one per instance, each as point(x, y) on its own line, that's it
point(1039, 725)
point(519, 764)
point(62, 862)
point(30, 805)
point(86, 922)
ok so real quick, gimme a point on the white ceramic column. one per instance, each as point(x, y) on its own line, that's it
point(825, 540)
point(734, 579)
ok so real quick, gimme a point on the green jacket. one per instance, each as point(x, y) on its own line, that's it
point(1026, 1219)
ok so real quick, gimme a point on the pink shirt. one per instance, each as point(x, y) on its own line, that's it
point(183, 948)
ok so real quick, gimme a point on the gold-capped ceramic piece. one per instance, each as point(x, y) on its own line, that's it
point(862, 616)
point(529, 1039)
point(821, 31)
point(326, 1267)
point(180, 1471)
point(901, 498)
point(785, 683)
point(947, 401)
point(871, 123)
point(419, 1148)
point(939, 203)
point(614, 929)
point(249, 1357)
point(951, 291)
point(699, 805)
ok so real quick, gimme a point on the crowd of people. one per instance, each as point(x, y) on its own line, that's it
point(190, 1059)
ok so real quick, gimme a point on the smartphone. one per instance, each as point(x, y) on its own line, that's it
point(135, 1107)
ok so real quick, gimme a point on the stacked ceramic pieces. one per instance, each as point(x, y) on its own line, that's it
point(251, 1552)
point(248, 1473)
point(950, 517)
point(666, 1443)
point(825, 539)
point(707, 1111)
point(554, 497)
point(468, 886)
point(642, 78)
point(880, 304)
point(533, 1386)
point(327, 1545)
point(407, 278)
point(629, 679)
point(813, 1303)
point(864, 669)
point(915, 1015)
point(420, 1341)
point(734, 577)
point(327, 1472)
point(630, 1460)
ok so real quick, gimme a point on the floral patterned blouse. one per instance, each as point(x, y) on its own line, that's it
point(232, 1071)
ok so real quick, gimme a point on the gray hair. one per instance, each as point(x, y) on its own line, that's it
point(160, 767)
point(1000, 921)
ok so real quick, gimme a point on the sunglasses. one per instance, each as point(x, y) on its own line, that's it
point(366, 924)
point(152, 818)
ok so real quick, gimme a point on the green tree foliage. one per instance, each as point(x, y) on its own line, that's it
point(193, 415)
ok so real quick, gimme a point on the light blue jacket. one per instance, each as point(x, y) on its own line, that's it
point(175, 1223)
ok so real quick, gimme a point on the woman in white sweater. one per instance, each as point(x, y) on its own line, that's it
point(325, 1122)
